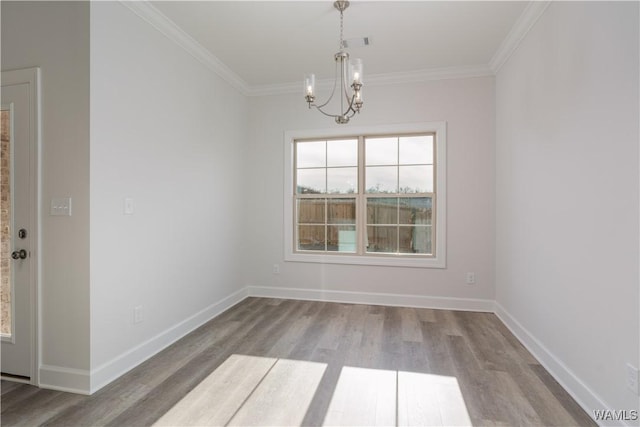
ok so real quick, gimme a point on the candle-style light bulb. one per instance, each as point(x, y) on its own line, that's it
point(356, 71)
point(309, 87)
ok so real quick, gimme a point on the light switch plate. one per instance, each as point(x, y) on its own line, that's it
point(128, 208)
point(60, 206)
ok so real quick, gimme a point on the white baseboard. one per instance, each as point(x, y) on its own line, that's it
point(419, 301)
point(583, 395)
point(65, 379)
point(118, 366)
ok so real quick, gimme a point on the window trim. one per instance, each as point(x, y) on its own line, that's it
point(437, 260)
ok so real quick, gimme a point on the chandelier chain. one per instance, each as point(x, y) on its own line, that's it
point(341, 30)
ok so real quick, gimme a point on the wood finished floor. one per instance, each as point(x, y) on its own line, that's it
point(286, 362)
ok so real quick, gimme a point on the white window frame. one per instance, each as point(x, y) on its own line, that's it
point(436, 260)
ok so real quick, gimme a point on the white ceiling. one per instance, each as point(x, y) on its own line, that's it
point(276, 42)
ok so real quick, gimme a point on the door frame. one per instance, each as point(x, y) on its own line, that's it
point(31, 76)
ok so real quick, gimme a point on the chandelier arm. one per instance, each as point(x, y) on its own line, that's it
point(351, 109)
point(326, 114)
point(333, 91)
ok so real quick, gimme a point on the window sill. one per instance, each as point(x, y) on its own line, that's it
point(374, 260)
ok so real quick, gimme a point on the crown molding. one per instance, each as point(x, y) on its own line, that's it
point(417, 76)
point(173, 32)
point(170, 29)
point(525, 22)
point(383, 79)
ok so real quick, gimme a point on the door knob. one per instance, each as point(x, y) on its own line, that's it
point(21, 254)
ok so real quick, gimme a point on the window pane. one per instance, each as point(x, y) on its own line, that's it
point(416, 150)
point(311, 211)
point(382, 179)
point(381, 151)
point(394, 195)
point(383, 210)
point(342, 180)
point(311, 154)
point(342, 211)
point(415, 210)
point(342, 153)
point(415, 239)
point(311, 181)
point(416, 179)
point(311, 238)
point(341, 238)
point(382, 239)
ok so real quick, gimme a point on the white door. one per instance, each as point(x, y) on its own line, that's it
point(19, 136)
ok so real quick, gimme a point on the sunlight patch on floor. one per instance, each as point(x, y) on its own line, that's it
point(257, 391)
point(248, 390)
point(376, 397)
point(363, 397)
point(425, 399)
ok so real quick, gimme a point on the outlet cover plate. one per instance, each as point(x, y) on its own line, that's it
point(60, 206)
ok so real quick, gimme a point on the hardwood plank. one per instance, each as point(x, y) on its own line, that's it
point(283, 396)
point(509, 399)
point(6, 386)
point(449, 322)
point(414, 358)
point(410, 324)
point(474, 383)
point(417, 401)
point(430, 400)
point(562, 397)
point(523, 354)
point(303, 348)
point(426, 314)
point(216, 399)
point(18, 396)
point(550, 411)
point(365, 397)
point(368, 353)
point(335, 328)
point(39, 408)
point(391, 356)
point(290, 337)
point(436, 345)
point(488, 349)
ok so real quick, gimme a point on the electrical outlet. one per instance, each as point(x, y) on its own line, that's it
point(632, 378)
point(137, 314)
point(471, 278)
point(276, 268)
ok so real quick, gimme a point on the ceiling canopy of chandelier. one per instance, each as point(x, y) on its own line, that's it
point(349, 76)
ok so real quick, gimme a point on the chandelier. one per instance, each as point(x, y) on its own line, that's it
point(346, 71)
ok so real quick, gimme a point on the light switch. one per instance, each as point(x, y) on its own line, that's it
point(60, 206)
point(128, 206)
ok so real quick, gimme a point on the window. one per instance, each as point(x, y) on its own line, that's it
point(376, 196)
